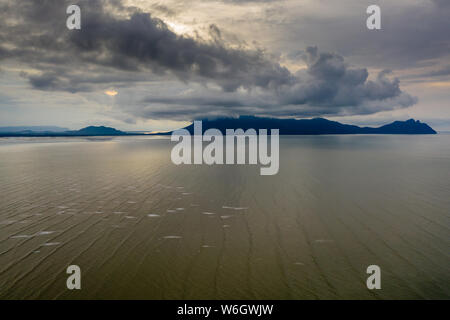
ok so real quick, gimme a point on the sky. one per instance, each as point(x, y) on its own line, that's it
point(158, 65)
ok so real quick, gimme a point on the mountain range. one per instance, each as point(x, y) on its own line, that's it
point(317, 126)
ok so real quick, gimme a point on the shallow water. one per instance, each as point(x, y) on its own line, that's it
point(140, 227)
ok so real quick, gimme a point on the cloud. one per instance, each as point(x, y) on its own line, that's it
point(414, 33)
point(126, 46)
point(445, 71)
point(442, 3)
point(163, 9)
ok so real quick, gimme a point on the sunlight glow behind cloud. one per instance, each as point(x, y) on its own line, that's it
point(111, 93)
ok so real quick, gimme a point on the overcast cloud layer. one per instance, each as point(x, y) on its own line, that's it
point(167, 60)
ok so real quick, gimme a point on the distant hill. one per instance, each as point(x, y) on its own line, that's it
point(410, 126)
point(85, 132)
point(33, 129)
point(315, 126)
point(97, 131)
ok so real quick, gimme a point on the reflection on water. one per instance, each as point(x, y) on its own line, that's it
point(141, 227)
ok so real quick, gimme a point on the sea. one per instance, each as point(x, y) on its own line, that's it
point(140, 227)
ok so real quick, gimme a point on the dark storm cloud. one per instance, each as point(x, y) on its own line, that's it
point(329, 81)
point(119, 41)
point(327, 87)
point(138, 42)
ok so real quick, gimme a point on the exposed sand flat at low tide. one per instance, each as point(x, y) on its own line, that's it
point(140, 227)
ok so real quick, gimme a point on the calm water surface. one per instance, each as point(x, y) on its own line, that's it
point(141, 227)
